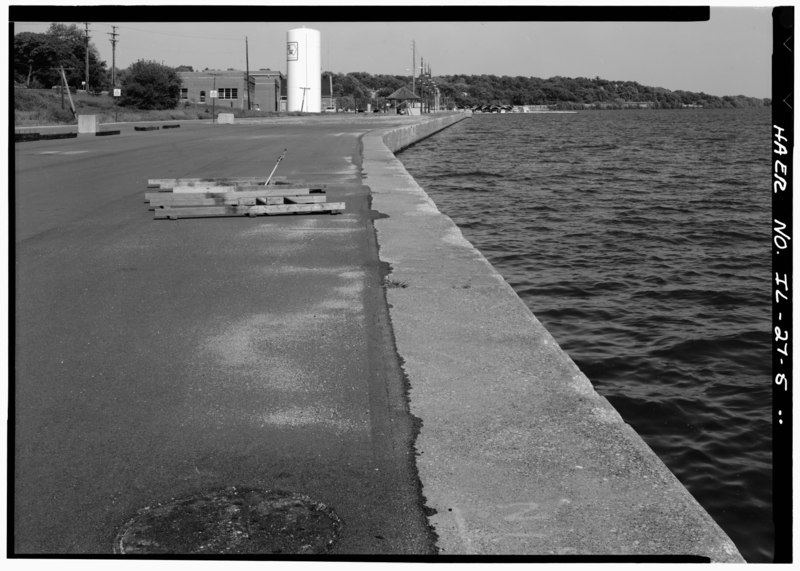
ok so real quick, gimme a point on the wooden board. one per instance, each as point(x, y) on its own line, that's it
point(309, 199)
point(198, 187)
point(286, 189)
point(276, 200)
point(238, 188)
point(170, 182)
point(171, 200)
point(178, 202)
point(231, 210)
point(258, 192)
point(296, 208)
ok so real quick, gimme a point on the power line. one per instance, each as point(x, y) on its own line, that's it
point(171, 34)
point(174, 35)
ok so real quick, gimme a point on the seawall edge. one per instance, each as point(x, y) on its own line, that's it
point(510, 361)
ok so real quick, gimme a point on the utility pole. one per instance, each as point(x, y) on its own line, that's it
point(421, 87)
point(66, 86)
point(247, 78)
point(413, 66)
point(303, 102)
point(113, 35)
point(87, 57)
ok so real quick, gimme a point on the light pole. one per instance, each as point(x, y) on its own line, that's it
point(247, 74)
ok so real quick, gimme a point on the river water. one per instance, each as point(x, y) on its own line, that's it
point(641, 240)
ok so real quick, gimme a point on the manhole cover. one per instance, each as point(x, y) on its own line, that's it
point(231, 521)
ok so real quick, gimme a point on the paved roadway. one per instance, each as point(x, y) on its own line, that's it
point(156, 358)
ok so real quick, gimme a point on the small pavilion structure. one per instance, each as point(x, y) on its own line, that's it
point(403, 100)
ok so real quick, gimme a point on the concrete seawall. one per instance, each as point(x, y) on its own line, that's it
point(517, 453)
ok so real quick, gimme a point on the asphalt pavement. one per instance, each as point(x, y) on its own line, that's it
point(154, 358)
point(161, 359)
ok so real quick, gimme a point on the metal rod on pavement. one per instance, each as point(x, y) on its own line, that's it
point(280, 158)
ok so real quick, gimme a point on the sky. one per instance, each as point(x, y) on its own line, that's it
point(728, 55)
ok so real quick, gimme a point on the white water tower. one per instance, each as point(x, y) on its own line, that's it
point(304, 70)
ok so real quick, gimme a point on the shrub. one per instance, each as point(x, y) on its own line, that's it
point(150, 85)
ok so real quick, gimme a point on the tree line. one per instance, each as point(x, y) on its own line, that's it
point(560, 92)
point(38, 58)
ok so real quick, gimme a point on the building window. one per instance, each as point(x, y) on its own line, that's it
point(202, 97)
point(229, 93)
point(184, 93)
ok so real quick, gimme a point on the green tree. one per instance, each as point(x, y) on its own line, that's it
point(37, 58)
point(70, 42)
point(29, 57)
point(351, 91)
point(347, 102)
point(150, 85)
point(356, 89)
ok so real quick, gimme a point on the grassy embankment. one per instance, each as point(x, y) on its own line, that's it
point(39, 107)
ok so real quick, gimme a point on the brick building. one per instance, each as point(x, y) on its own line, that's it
point(232, 88)
point(267, 89)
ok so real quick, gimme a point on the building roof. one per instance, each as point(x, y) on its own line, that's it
point(403, 93)
point(212, 73)
point(266, 72)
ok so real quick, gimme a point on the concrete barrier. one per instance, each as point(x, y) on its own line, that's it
point(87, 124)
point(23, 137)
point(517, 452)
point(224, 118)
point(51, 136)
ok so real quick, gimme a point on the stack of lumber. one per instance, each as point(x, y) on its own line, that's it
point(238, 196)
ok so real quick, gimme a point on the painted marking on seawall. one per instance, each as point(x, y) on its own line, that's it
point(461, 526)
point(522, 511)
